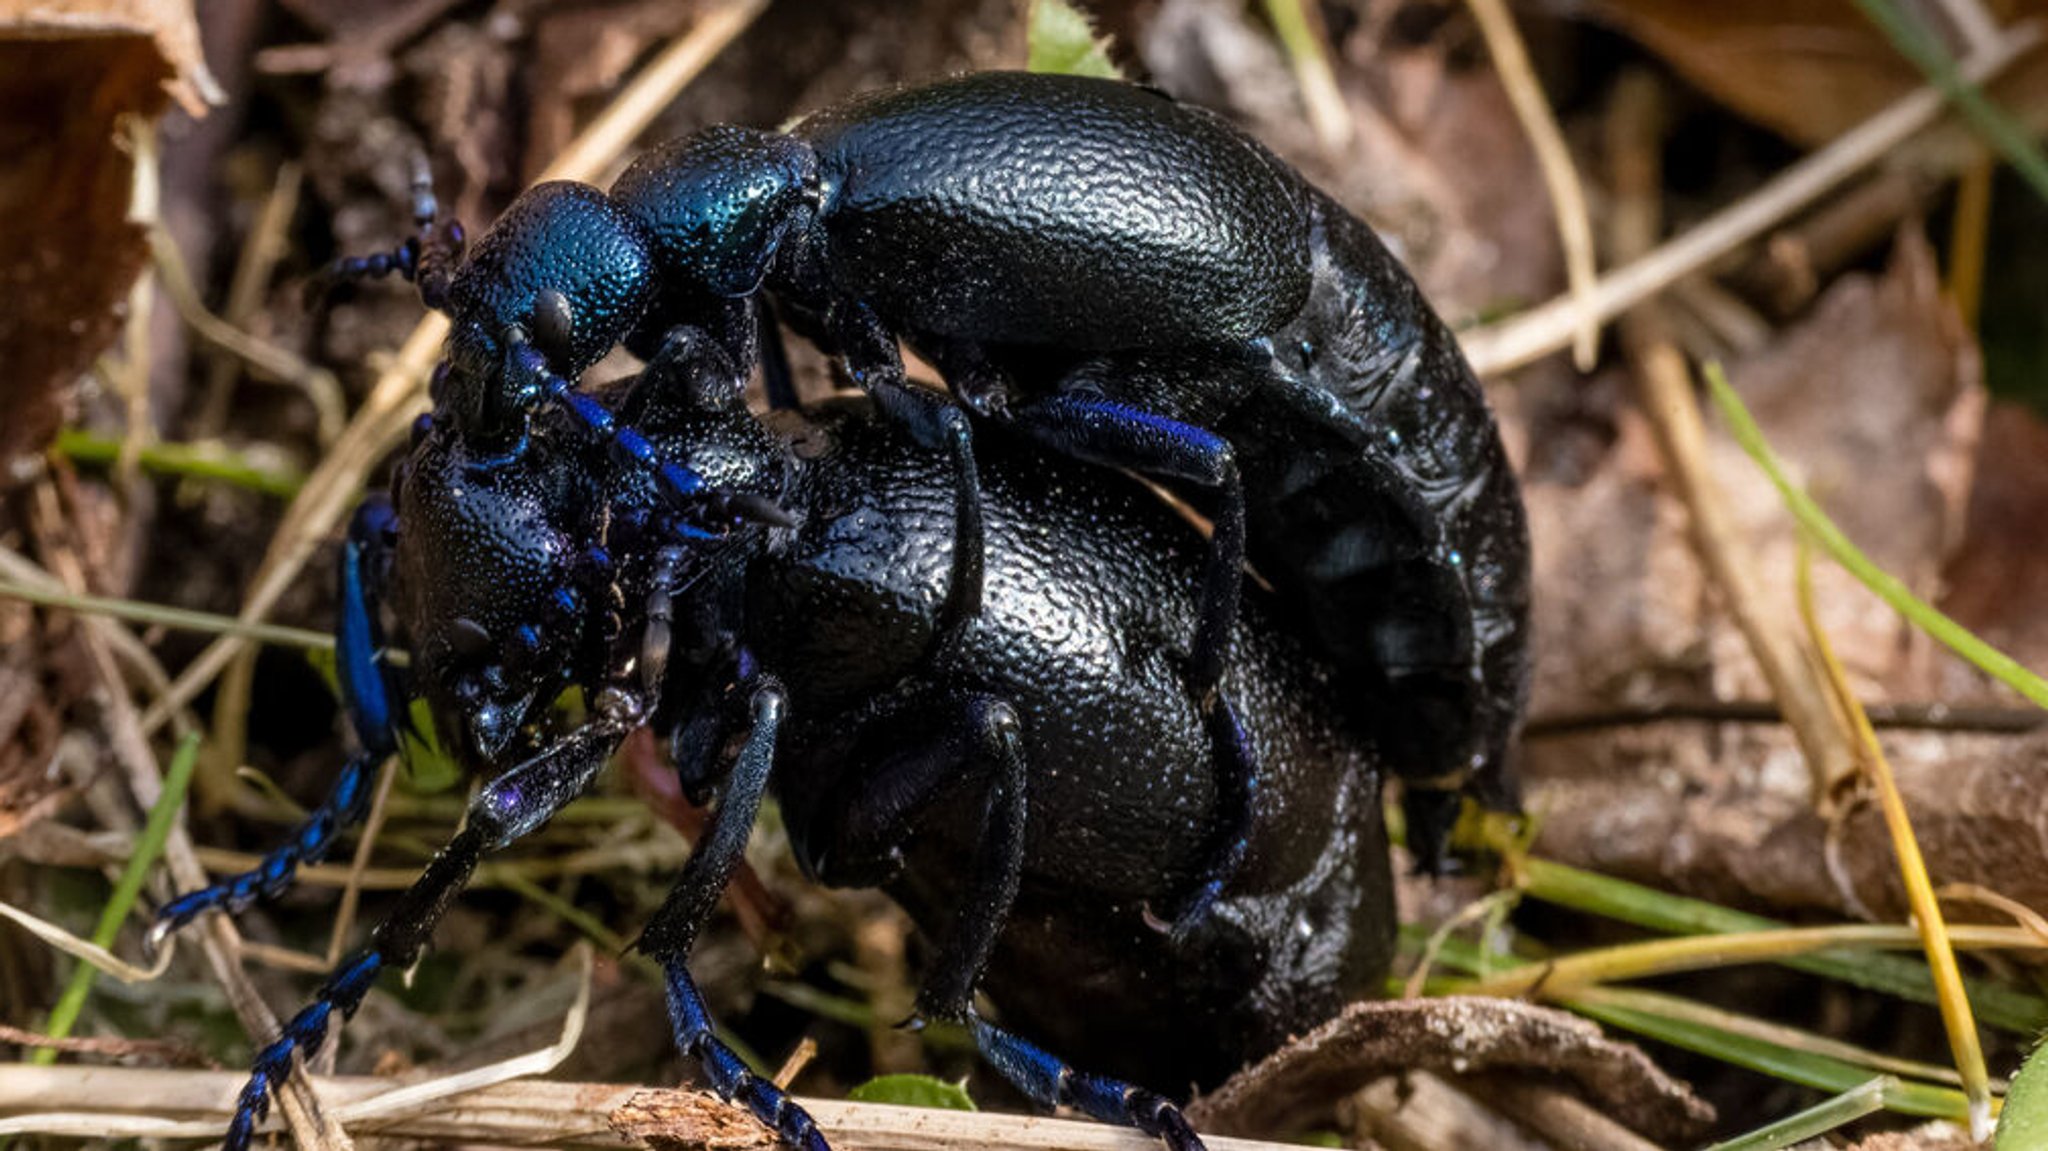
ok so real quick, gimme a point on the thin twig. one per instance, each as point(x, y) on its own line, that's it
point(218, 938)
point(1667, 400)
point(1549, 327)
point(366, 843)
point(1560, 175)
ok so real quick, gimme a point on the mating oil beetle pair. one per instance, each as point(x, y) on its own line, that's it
point(1093, 268)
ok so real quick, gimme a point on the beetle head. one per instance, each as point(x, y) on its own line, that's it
point(563, 270)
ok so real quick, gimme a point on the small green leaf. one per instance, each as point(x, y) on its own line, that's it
point(1063, 40)
point(430, 768)
point(2024, 1122)
point(914, 1091)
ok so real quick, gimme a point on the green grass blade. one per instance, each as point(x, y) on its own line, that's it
point(1919, 43)
point(161, 615)
point(182, 461)
point(2004, 1007)
point(1815, 1121)
point(1818, 1071)
point(1888, 587)
point(2024, 1122)
point(126, 890)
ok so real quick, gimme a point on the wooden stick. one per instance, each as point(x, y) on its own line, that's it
point(121, 1102)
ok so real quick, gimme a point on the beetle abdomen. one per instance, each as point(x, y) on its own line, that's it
point(1032, 209)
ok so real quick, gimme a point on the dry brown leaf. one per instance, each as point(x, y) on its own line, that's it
point(69, 74)
point(1452, 1037)
point(1808, 69)
point(1998, 581)
point(1874, 402)
point(1438, 162)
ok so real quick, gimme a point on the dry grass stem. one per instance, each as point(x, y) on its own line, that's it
point(1956, 1015)
point(1667, 399)
point(1979, 28)
point(366, 843)
point(104, 1102)
point(1564, 1119)
point(265, 359)
point(1533, 334)
point(85, 950)
point(1969, 237)
point(1305, 42)
point(268, 240)
point(2025, 916)
point(31, 582)
point(1568, 975)
point(1554, 159)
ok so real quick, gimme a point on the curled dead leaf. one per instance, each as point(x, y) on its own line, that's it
point(70, 74)
point(1453, 1037)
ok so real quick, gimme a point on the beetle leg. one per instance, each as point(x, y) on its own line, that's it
point(1237, 786)
point(680, 485)
point(510, 806)
point(1052, 1082)
point(1119, 435)
point(871, 358)
point(672, 931)
point(978, 737)
point(368, 695)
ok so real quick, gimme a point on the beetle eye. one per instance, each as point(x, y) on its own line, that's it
point(554, 327)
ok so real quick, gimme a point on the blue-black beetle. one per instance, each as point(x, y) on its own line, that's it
point(1125, 278)
point(1026, 785)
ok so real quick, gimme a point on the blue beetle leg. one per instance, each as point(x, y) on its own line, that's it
point(1237, 787)
point(1052, 1082)
point(515, 803)
point(672, 931)
point(367, 693)
point(1119, 435)
point(680, 485)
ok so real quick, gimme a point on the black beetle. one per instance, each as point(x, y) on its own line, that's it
point(1026, 784)
point(1127, 279)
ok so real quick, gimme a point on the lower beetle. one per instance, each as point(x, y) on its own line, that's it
point(1026, 784)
